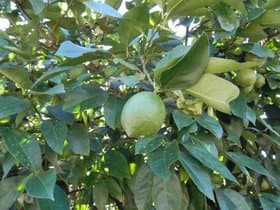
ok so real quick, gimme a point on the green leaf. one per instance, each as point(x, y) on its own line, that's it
point(167, 194)
point(199, 175)
point(55, 133)
point(215, 92)
point(17, 74)
point(71, 50)
point(11, 105)
point(22, 147)
point(7, 164)
point(9, 192)
point(143, 188)
point(161, 159)
point(103, 9)
point(60, 201)
point(227, 18)
point(84, 97)
point(188, 70)
point(112, 111)
point(58, 89)
point(269, 201)
point(271, 18)
point(181, 119)
point(37, 5)
point(237, 4)
point(240, 109)
point(199, 151)
point(54, 72)
point(229, 199)
point(244, 161)
point(221, 65)
point(100, 195)
point(114, 188)
point(42, 185)
point(117, 164)
point(210, 124)
point(271, 4)
point(78, 139)
point(148, 144)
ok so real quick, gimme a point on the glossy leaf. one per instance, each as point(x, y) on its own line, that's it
point(188, 70)
point(181, 119)
point(117, 164)
point(84, 97)
point(7, 165)
point(199, 174)
point(102, 8)
point(78, 139)
point(148, 144)
point(215, 92)
point(269, 201)
point(143, 188)
point(37, 5)
point(199, 151)
point(112, 111)
point(245, 161)
point(42, 185)
point(60, 201)
point(229, 199)
point(17, 74)
point(210, 124)
point(55, 133)
point(9, 192)
point(167, 194)
point(22, 147)
point(161, 159)
point(71, 50)
point(11, 105)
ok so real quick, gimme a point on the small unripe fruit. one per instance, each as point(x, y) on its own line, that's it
point(260, 82)
point(246, 77)
point(143, 114)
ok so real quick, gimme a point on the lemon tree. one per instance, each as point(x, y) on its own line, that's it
point(139, 105)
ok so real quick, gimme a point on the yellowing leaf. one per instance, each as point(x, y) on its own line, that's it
point(220, 65)
point(214, 91)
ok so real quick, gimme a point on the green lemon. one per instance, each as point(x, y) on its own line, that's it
point(260, 82)
point(143, 114)
point(246, 77)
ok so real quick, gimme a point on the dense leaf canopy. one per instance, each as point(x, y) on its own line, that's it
point(67, 69)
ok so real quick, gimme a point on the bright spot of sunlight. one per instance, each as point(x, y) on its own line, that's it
point(4, 24)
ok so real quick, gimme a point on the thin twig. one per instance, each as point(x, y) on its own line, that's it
point(146, 72)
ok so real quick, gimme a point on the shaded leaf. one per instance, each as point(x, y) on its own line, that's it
point(9, 192)
point(199, 175)
point(229, 199)
point(42, 185)
point(100, 195)
point(17, 74)
point(269, 201)
point(181, 119)
point(11, 105)
point(117, 164)
point(161, 159)
point(22, 147)
point(112, 111)
point(78, 139)
point(55, 133)
point(143, 188)
point(244, 161)
point(7, 164)
point(167, 194)
point(84, 97)
point(60, 201)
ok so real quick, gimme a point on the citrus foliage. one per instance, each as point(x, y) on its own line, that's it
point(67, 68)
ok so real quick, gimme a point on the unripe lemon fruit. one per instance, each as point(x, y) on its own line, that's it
point(260, 82)
point(246, 77)
point(143, 114)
